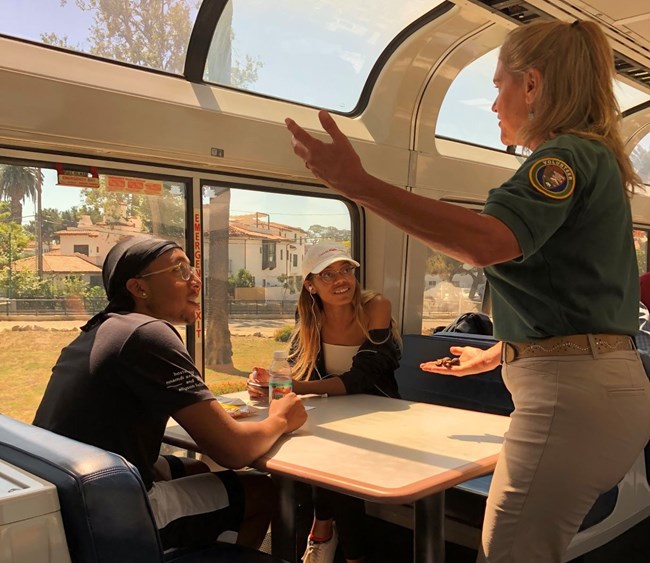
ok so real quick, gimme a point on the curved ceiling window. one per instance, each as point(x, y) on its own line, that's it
point(629, 96)
point(148, 33)
point(318, 53)
point(640, 157)
point(466, 112)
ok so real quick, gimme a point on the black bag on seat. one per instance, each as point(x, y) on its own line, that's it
point(483, 393)
point(469, 323)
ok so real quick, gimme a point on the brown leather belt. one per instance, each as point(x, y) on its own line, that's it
point(572, 345)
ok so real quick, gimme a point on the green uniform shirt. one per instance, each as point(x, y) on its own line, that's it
point(578, 272)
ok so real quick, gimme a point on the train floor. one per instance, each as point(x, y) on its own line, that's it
point(389, 543)
point(393, 544)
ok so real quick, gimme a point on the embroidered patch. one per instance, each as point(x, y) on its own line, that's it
point(552, 177)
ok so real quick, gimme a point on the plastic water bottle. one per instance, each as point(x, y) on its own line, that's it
point(280, 382)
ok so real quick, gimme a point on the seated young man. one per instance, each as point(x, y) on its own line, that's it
point(116, 385)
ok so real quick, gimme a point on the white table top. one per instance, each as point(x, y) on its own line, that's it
point(384, 450)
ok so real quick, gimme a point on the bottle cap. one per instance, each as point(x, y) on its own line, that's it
point(280, 355)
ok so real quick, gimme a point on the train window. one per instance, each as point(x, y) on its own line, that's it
point(466, 112)
point(254, 246)
point(629, 96)
point(56, 228)
point(451, 288)
point(152, 34)
point(317, 53)
point(641, 245)
point(640, 157)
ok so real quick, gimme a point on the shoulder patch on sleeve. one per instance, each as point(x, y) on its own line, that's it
point(552, 177)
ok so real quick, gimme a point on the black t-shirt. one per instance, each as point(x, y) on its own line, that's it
point(116, 386)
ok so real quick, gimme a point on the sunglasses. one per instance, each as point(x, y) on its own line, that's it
point(328, 276)
point(185, 271)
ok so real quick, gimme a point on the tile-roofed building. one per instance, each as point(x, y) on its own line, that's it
point(271, 252)
point(56, 265)
point(235, 230)
point(94, 240)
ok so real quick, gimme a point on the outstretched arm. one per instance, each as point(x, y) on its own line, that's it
point(473, 238)
point(471, 361)
point(235, 444)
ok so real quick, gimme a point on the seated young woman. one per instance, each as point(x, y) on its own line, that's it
point(345, 341)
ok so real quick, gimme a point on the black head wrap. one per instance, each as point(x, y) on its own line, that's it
point(125, 261)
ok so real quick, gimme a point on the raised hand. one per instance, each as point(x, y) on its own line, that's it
point(336, 163)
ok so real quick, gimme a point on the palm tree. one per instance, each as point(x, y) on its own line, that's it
point(16, 184)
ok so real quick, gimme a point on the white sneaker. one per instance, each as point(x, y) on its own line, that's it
point(321, 552)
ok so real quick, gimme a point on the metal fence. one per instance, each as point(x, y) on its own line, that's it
point(63, 306)
point(75, 306)
point(268, 309)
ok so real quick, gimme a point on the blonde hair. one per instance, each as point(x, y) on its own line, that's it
point(576, 94)
point(305, 338)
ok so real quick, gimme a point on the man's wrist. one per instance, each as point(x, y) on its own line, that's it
point(278, 423)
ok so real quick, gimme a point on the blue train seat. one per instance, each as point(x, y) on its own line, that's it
point(103, 502)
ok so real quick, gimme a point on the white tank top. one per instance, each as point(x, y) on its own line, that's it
point(338, 359)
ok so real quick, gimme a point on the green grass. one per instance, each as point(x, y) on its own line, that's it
point(248, 352)
point(26, 360)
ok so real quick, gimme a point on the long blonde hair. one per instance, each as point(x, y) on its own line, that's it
point(577, 92)
point(305, 338)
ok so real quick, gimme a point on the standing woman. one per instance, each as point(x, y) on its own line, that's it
point(556, 243)
point(344, 342)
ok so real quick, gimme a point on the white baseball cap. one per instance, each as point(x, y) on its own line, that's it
point(323, 254)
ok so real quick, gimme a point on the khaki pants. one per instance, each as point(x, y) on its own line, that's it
point(579, 424)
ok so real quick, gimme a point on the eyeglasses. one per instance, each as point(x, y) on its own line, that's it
point(183, 268)
point(328, 276)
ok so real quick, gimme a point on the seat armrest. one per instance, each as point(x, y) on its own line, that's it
point(104, 505)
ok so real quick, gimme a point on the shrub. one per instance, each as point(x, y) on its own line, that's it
point(283, 333)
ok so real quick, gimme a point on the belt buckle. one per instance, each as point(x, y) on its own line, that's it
point(510, 353)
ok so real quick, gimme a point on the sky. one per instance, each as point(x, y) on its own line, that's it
point(29, 18)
